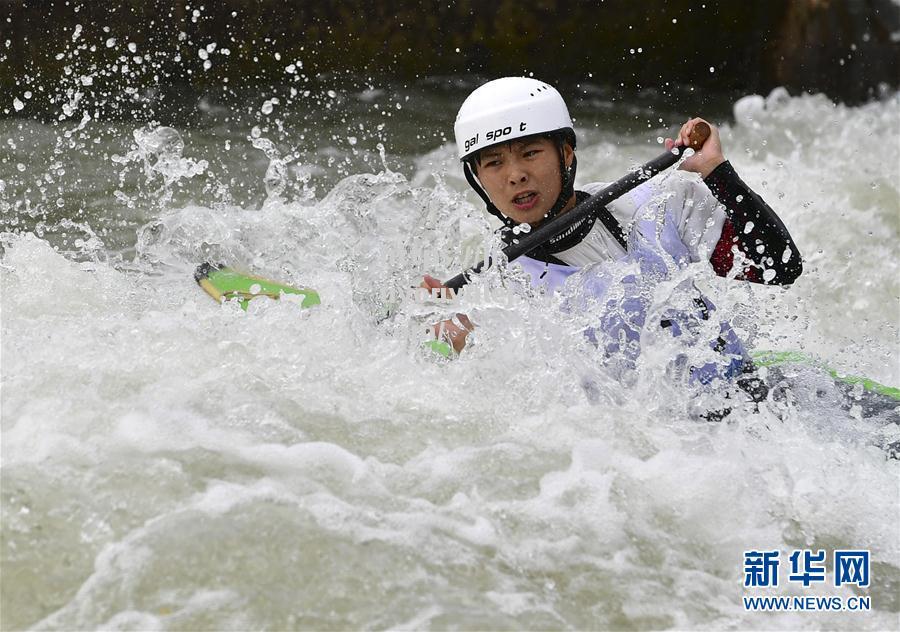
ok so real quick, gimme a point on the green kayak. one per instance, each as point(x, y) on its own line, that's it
point(225, 284)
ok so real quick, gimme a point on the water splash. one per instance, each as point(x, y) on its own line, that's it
point(146, 429)
point(159, 149)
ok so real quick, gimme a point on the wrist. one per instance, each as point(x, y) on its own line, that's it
point(707, 167)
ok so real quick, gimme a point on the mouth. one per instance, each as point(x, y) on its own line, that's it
point(526, 200)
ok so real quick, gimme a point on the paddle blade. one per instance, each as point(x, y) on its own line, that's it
point(225, 284)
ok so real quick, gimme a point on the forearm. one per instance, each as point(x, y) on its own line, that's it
point(755, 229)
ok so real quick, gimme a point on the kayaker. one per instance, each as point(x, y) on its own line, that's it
point(517, 143)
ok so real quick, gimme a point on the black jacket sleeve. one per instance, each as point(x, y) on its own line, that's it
point(755, 229)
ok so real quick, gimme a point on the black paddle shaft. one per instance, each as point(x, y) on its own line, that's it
point(593, 204)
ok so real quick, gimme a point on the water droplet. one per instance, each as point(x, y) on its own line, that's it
point(164, 142)
point(111, 42)
point(17, 104)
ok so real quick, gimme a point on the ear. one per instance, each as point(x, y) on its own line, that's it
point(568, 154)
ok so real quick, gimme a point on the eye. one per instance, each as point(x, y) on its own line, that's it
point(491, 162)
point(531, 152)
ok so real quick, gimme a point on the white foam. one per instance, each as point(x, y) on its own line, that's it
point(185, 454)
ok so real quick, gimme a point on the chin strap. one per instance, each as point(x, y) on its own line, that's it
point(567, 189)
point(475, 183)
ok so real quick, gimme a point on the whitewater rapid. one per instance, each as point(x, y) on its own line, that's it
point(170, 463)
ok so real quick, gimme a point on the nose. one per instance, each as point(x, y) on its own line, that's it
point(516, 174)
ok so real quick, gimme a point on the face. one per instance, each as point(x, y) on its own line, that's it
point(522, 178)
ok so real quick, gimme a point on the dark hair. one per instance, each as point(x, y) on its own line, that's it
point(558, 137)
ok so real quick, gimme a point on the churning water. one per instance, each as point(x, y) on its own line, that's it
point(171, 463)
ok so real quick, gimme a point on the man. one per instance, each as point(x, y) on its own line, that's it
point(517, 145)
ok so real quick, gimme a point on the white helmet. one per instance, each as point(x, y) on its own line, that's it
point(509, 108)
